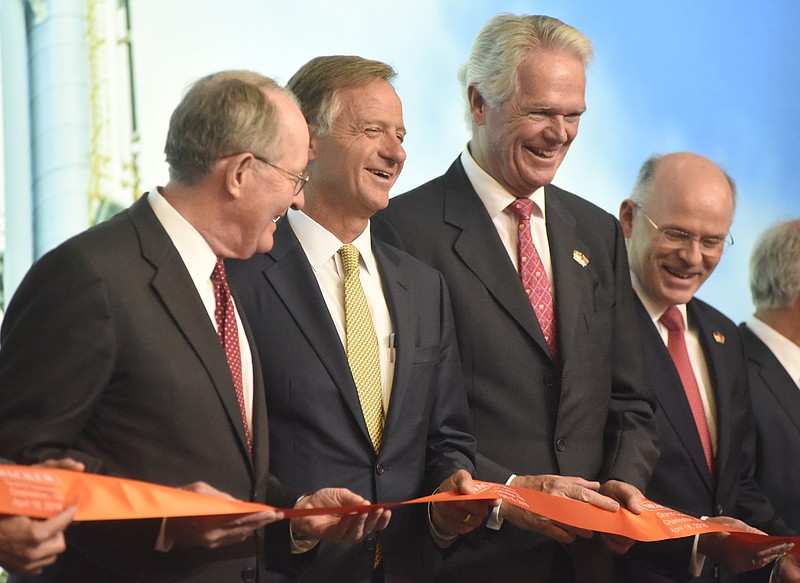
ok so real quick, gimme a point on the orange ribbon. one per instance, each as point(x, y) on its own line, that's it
point(42, 492)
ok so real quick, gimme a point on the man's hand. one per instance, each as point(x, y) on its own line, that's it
point(338, 528)
point(27, 545)
point(452, 518)
point(738, 558)
point(629, 497)
point(66, 463)
point(788, 570)
point(215, 531)
point(566, 487)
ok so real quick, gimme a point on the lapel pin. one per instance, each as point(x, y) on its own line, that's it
point(580, 258)
point(719, 337)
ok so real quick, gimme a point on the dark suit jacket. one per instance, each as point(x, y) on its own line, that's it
point(319, 437)
point(591, 415)
point(681, 479)
point(109, 357)
point(776, 412)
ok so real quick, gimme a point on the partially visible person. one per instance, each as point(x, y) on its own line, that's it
point(28, 545)
point(543, 307)
point(677, 224)
point(772, 345)
point(123, 348)
point(356, 338)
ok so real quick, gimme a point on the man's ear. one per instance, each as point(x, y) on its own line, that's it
point(477, 105)
point(237, 172)
point(313, 141)
point(626, 211)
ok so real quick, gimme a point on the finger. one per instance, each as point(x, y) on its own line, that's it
point(55, 524)
point(597, 499)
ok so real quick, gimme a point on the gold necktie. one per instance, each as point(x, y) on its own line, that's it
point(362, 346)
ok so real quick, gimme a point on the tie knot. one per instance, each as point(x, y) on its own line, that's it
point(672, 319)
point(349, 255)
point(522, 208)
point(218, 275)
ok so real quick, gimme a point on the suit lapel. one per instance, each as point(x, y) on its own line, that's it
point(773, 375)
point(672, 401)
point(481, 250)
point(294, 282)
point(398, 289)
point(568, 275)
point(173, 285)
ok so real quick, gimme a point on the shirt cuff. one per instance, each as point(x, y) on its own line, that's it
point(300, 543)
point(495, 521)
point(697, 559)
point(162, 544)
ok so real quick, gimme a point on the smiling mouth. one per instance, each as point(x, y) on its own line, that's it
point(546, 154)
point(679, 275)
point(380, 173)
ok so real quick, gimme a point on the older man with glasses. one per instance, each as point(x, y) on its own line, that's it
point(677, 225)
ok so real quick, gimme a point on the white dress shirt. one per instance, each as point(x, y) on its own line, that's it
point(786, 351)
point(321, 247)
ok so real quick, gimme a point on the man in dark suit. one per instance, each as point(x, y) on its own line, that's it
point(550, 397)
point(676, 225)
point(112, 348)
point(407, 431)
point(772, 345)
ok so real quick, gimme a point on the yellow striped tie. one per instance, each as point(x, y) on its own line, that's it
point(362, 346)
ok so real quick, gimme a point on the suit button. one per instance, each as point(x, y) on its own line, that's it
point(370, 543)
point(549, 382)
point(249, 575)
point(379, 469)
point(561, 445)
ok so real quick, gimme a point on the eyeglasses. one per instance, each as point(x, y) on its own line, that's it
point(677, 239)
point(300, 179)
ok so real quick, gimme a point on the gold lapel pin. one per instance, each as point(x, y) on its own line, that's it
point(580, 258)
point(719, 337)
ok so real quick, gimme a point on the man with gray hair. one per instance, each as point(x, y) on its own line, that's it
point(124, 349)
point(543, 306)
point(772, 344)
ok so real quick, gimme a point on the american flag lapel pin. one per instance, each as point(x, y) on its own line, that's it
point(580, 258)
point(719, 337)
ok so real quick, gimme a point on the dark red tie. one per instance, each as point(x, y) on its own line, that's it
point(676, 344)
point(532, 273)
point(225, 314)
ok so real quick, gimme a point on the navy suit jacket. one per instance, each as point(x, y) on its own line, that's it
point(681, 479)
point(109, 357)
point(318, 434)
point(591, 415)
point(776, 413)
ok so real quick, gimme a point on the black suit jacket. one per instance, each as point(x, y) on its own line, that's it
point(776, 413)
point(591, 415)
point(109, 357)
point(681, 479)
point(319, 437)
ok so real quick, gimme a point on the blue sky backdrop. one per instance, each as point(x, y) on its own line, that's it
point(715, 77)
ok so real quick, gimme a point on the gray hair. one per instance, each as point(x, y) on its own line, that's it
point(221, 114)
point(643, 187)
point(317, 83)
point(504, 42)
point(775, 266)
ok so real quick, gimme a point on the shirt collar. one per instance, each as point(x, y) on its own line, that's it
point(321, 245)
point(653, 310)
point(194, 250)
point(493, 195)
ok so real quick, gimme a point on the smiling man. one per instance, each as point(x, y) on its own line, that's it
point(677, 225)
point(356, 338)
point(543, 305)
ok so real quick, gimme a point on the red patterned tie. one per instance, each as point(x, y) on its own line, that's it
point(532, 273)
point(676, 344)
point(225, 315)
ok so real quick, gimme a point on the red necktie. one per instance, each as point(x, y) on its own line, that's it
point(225, 314)
point(676, 344)
point(532, 273)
